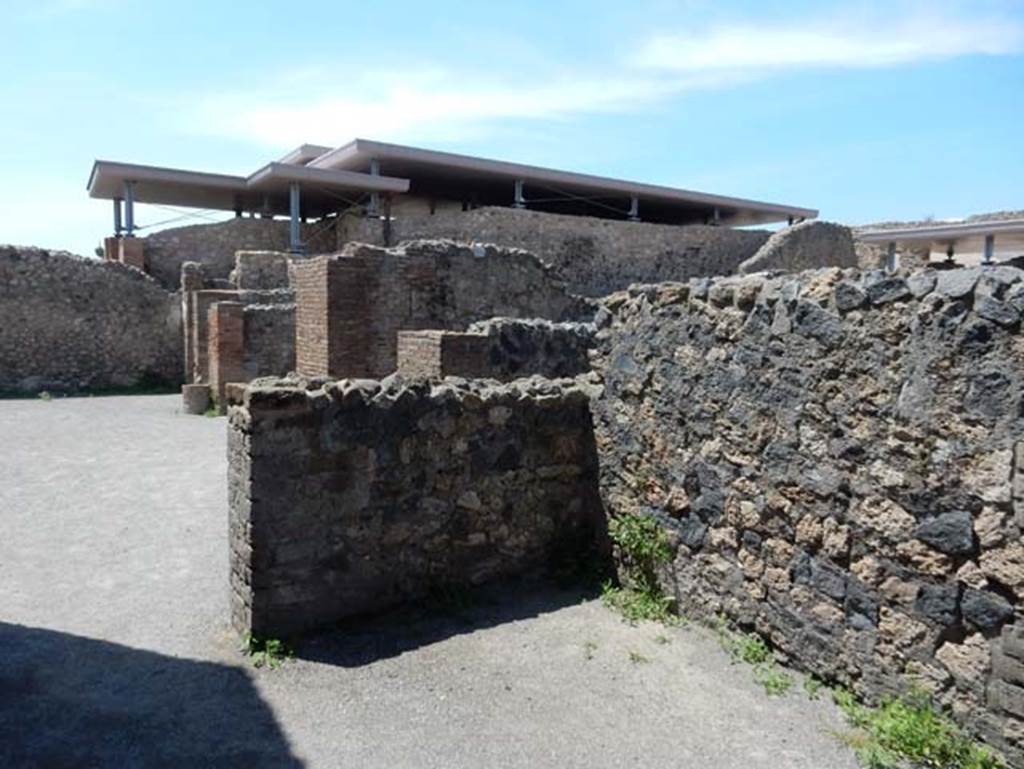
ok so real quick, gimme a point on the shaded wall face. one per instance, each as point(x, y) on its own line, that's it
point(593, 256)
point(350, 499)
point(839, 460)
point(68, 323)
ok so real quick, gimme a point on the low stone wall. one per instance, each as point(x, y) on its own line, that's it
point(499, 348)
point(838, 459)
point(351, 306)
point(594, 256)
point(354, 496)
point(807, 245)
point(69, 323)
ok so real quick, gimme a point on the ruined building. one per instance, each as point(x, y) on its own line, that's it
point(443, 370)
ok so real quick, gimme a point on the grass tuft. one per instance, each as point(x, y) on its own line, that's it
point(751, 649)
point(909, 729)
point(267, 652)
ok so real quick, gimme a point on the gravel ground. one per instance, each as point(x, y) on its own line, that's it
point(114, 648)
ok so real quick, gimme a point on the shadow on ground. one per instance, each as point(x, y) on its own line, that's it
point(361, 641)
point(68, 701)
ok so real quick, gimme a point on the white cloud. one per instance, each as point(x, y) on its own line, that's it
point(395, 105)
point(847, 43)
point(435, 104)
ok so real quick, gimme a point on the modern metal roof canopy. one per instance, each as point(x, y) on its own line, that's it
point(266, 190)
point(447, 174)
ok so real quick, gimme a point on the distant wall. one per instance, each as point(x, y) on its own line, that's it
point(350, 307)
point(214, 245)
point(69, 323)
point(594, 256)
point(260, 270)
point(351, 498)
point(804, 246)
point(838, 458)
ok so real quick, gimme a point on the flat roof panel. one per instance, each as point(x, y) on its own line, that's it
point(411, 162)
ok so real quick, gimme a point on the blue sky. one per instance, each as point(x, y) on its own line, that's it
point(865, 110)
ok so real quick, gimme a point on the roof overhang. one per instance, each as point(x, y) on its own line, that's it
point(323, 190)
point(449, 170)
point(951, 231)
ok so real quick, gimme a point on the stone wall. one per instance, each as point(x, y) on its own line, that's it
point(528, 347)
point(269, 340)
point(594, 256)
point(349, 498)
point(806, 245)
point(260, 270)
point(351, 306)
point(196, 307)
point(214, 245)
point(838, 459)
point(499, 348)
point(69, 323)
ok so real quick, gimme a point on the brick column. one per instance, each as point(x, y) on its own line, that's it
point(131, 253)
point(333, 317)
point(226, 347)
point(112, 249)
point(191, 281)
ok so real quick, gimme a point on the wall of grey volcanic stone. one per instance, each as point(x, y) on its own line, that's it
point(349, 498)
point(594, 256)
point(214, 246)
point(69, 323)
point(838, 458)
point(527, 347)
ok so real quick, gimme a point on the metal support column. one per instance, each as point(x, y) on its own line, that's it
point(294, 229)
point(716, 217)
point(520, 200)
point(117, 217)
point(634, 208)
point(129, 208)
point(990, 249)
point(890, 257)
point(373, 209)
point(386, 220)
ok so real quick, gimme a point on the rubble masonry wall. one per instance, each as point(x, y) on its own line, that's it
point(838, 459)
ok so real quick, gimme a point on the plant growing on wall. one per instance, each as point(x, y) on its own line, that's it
point(641, 546)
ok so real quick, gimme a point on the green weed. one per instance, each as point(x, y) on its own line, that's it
point(642, 546)
point(267, 652)
point(638, 659)
point(813, 687)
point(751, 649)
point(909, 729)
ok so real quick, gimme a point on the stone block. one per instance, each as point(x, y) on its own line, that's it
point(195, 398)
point(951, 533)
